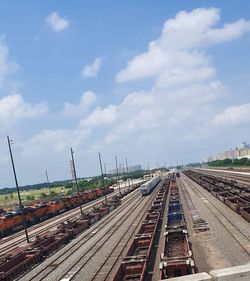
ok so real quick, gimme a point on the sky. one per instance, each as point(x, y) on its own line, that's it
point(153, 81)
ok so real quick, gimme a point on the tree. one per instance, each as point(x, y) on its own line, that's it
point(243, 161)
point(227, 162)
point(30, 197)
point(43, 195)
point(236, 162)
point(53, 193)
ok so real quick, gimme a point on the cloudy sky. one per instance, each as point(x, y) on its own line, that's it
point(166, 80)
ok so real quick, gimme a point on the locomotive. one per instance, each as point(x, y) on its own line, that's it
point(12, 221)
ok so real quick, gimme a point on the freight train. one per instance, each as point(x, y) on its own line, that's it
point(234, 194)
point(12, 221)
point(135, 263)
point(177, 258)
point(14, 263)
point(149, 185)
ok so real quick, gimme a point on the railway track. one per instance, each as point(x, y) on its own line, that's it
point(102, 233)
point(12, 242)
point(240, 178)
point(242, 239)
point(104, 271)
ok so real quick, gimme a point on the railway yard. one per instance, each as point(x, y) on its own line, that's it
point(188, 222)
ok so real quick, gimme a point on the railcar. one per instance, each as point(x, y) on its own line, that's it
point(134, 264)
point(40, 212)
point(12, 221)
point(234, 194)
point(147, 187)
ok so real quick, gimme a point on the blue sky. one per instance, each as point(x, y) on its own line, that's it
point(85, 74)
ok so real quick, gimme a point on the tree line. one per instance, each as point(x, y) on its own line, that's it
point(230, 162)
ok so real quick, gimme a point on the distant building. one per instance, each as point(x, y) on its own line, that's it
point(123, 169)
point(234, 153)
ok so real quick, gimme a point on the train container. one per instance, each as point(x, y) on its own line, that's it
point(133, 270)
point(232, 203)
point(3, 227)
point(116, 200)
point(66, 203)
point(215, 191)
point(134, 264)
point(55, 207)
point(140, 247)
point(99, 192)
point(13, 267)
point(158, 201)
point(103, 210)
point(81, 226)
point(156, 207)
point(93, 217)
point(245, 212)
point(175, 221)
point(176, 260)
point(236, 203)
point(13, 222)
point(28, 213)
point(74, 201)
point(174, 207)
point(89, 195)
point(230, 192)
point(154, 216)
point(222, 195)
point(148, 227)
point(50, 242)
point(108, 190)
point(40, 212)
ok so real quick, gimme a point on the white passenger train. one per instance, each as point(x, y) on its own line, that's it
point(149, 185)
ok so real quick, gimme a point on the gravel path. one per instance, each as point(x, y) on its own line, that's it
point(220, 246)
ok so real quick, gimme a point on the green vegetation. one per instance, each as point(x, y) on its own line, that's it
point(230, 162)
point(30, 197)
point(8, 196)
point(11, 198)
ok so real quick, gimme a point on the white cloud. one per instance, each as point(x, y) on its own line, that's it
point(88, 98)
point(56, 140)
point(100, 116)
point(179, 47)
point(7, 66)
point(170, 116)
point(91, 70)
point(185, 88)
point(232, 116)
point(56, 23)
point(13, 108)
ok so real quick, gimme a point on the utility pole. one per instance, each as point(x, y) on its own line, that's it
point(74, 169)
point(158, 166)
point(123, 173)
point(103, 183)
point(127, 173)
point(18, 192)
point(118, 183)
point(105, 170)
point(46, 172)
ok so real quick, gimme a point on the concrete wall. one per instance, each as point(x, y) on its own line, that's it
point(241, 273)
